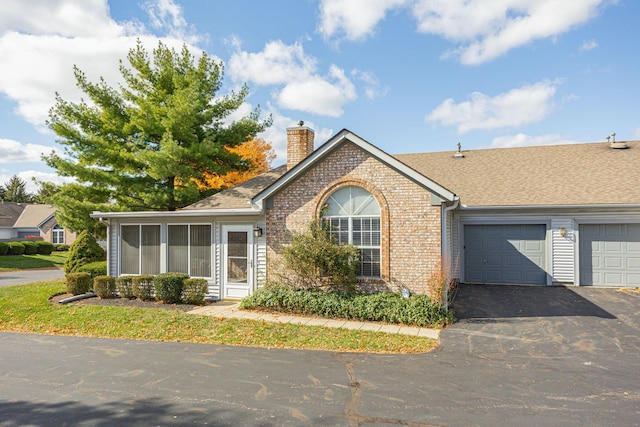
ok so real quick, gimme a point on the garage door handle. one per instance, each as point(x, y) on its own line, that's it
point(484, 261)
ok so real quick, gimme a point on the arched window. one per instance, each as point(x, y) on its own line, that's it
point(57, 235)
point(353, 215)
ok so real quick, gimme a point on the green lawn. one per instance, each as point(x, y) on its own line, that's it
point(25, 308)
point(21, 262)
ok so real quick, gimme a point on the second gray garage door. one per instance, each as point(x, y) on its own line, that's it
point(505, 254)
point(610, 255)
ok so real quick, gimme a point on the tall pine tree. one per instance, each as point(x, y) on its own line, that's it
point(144, 145)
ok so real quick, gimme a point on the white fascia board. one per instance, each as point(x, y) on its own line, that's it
point(552, 207)
point(346, 135)
point(179, 214)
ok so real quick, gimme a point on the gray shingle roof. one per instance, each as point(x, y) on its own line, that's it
point(571, 174)
point(551, 175)
point(9, 213)
point(239, 197)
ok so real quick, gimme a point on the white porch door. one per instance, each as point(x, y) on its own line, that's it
point(237, 270)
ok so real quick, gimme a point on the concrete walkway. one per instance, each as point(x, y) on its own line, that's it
point(228, 310)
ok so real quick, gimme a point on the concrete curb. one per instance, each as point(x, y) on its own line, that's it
point(228, 310)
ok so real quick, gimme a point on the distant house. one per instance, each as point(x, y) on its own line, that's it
point(564, 214)
point(23, 221)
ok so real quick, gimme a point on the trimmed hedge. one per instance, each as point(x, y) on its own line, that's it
point(193, 291)
point(98, 268)
point(169, 287)
point(44, 248)
point(30, 248)
point(104, 286)
point(417, 310)
point(16, 248)
point(78, 283)
point(124, 286)
point(4, 248)
point(143, 287)
point(60, 247)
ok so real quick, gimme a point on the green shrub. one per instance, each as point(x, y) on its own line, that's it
point(4, 248)
point(98, 268)
point(193, 291)
point(60, 247)
point(169, 286)
point(143, 287)
point(44, 248)
point(315, 259)
point(124, 286)
point(78, 283)
point(104, 286)
point(417, 310)
point(30, 248)
point(16, 248)
point(83, 251)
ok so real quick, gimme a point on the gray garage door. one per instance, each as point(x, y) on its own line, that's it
point(505, 254)
point(610, 255)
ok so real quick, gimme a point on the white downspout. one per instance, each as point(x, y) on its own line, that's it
point(445, 245)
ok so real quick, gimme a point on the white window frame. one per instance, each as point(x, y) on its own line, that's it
point(57, 235)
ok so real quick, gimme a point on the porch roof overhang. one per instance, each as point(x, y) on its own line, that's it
point(179, 214)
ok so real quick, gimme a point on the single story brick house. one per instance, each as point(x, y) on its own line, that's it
point(30, 220)
point(544, 215)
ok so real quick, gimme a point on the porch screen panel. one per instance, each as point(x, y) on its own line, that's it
point(150, 251)
point(179, 248)
point(130, 248)
point(200, 250)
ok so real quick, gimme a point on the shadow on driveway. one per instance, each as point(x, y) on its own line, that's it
point(507, 301)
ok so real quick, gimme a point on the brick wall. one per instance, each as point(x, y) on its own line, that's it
point(299, 144)
point(410, 225)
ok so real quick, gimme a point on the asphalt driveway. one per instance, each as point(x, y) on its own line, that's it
point(519, 356)
point(8, 278)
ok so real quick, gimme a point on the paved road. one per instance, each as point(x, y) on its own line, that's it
point(9, 278)
point(572, 362)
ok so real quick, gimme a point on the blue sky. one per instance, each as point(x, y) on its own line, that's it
point(406, 75)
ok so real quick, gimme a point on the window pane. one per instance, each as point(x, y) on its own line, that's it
point(237, 257)
point(130, 259)
point(178, 249)
point(150, 249)
point(201, 251)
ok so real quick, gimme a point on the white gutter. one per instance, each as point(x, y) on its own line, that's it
point(180, 213)
point(445, 245)
point(592, 206)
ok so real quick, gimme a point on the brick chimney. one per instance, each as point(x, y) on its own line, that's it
point(299, 144)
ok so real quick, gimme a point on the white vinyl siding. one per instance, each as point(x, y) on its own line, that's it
point(563, 250)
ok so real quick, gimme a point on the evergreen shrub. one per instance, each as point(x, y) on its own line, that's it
point(44, 248)
point(193, 291)
point(124, 286)
point(78, 283)
point(104, 286)
point(169, 287)
point(143, 287)
point(83, 251)
point(30, 248)
point(4, 248)
point(16, 248)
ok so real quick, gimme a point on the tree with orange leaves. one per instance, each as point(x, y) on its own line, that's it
point(257, 152)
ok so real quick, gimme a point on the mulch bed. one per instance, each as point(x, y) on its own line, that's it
point(124, 302)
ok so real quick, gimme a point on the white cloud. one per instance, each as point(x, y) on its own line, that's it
point(372, 84)
point(15, 152)
point(167, 16)
point(589, 45)
point(40, 47)
point(277, 63)
point(355, 19)
point(87, 18)
point(28, 177)
point(521, 140)
point(484, 29)
point(518, 107)
point(304, 89)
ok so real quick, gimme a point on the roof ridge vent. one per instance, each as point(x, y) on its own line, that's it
point(612, 142)
point(459, 154)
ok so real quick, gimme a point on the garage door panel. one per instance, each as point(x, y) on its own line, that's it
point(610, 254)
point(505, 253)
